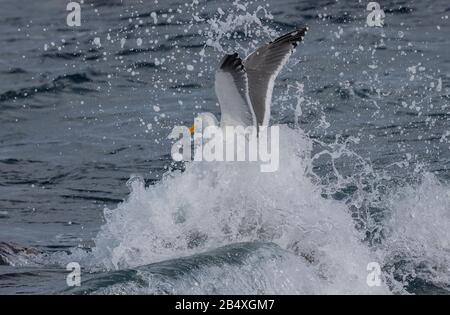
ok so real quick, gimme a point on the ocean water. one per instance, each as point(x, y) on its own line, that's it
point(86, 174)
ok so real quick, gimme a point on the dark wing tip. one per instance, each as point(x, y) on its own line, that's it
point(231, 63)
point(293, 37)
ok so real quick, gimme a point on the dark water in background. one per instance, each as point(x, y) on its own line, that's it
point(77, 119)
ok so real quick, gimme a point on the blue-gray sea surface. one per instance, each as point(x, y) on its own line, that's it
point(364, 176)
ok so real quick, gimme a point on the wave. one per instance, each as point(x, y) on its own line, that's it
point(227, 228)
point(417, 245)
point(241, 268)
point(211, 205)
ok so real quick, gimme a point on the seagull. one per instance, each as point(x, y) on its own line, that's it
point(244, 87)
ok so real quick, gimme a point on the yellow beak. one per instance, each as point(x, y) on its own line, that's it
point(192, 130)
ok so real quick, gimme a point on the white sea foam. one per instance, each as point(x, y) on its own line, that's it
point(418, 232)
point(214, 204)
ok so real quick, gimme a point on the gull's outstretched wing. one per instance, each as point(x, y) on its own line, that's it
point(231, 87)
point(262, 67)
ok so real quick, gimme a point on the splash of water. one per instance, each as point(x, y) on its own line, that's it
point(216, 204)
point(417, 244)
